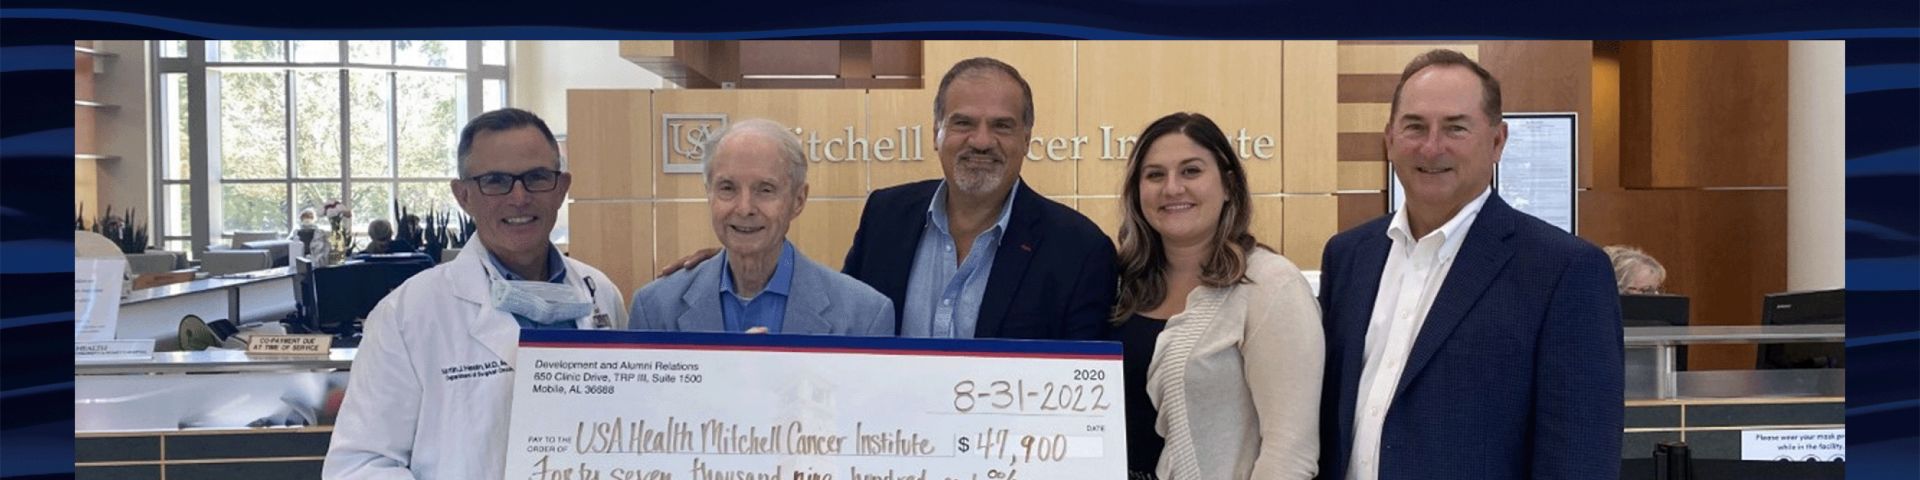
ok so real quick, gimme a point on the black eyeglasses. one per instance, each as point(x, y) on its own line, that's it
point(540, 180)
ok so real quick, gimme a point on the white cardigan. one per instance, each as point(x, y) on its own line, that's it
point(1236, 379)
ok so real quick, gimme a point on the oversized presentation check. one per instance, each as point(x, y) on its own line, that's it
point(653, 405)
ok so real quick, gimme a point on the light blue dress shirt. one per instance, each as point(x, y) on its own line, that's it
point(769, 308)
point(943, 295)
point(557, 268)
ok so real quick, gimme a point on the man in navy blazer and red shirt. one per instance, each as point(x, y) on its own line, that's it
point(978, 254)
point(1465, 339)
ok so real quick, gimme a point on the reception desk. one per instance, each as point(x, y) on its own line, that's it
point(211, 414)
point(1710, 409)
point(251, 297)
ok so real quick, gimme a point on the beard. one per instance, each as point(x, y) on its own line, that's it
point(979, 177)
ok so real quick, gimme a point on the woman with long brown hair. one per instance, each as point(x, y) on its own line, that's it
point(1234, 331)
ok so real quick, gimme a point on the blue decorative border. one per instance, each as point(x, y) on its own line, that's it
point(1883, 144)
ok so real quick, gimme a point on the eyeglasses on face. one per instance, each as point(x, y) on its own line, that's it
point(535, 181)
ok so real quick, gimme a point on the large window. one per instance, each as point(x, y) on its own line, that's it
point(259, 130)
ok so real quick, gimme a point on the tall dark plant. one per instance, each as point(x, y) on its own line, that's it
point(130, 237)
point(466, 231)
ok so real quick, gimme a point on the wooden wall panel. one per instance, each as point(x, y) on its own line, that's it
point(790, 57)
point(1358, 208)
point(681, 227)
point(892, 110)
point(86, 172)
point(825, 112)
point(897, 57)
point(1270, 221)
point(1364, 117)
point(1390, 58)
point(1105, 212)
point(824, 232)
point(1310, 141)
point(86, 189)
point(616, 237)
point(1604, 164)
point(1310, 220)
point(616, 157)
point(1703, 113)
point(1130, 84)
point(1547, 76)
point(1363, 176)
point(1724, 248)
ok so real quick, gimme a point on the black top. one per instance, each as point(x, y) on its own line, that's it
point(1137, 337)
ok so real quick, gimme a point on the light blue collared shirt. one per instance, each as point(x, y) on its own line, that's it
point(944, 295)
point(769, 308)
point(557, 273)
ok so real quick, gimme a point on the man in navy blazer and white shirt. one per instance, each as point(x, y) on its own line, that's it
point(756, 176)
point(1465, 339)
point(978, 253)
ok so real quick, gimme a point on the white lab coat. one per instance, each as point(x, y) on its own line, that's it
point(402, 417)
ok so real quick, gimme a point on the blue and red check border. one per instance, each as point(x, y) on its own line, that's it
point(1038, 349)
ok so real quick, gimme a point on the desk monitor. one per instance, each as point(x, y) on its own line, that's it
point(338, 296)
point(1653, 310)
point(1657, 311)
point(1820, 307)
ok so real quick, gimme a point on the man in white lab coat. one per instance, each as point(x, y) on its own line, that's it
point(431, 386)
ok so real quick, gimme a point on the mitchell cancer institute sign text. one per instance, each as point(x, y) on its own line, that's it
point(686, 137)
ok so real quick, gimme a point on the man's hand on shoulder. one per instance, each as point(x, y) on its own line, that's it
point(688, 261)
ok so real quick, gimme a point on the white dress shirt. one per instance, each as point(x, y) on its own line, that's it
point(1413, 274)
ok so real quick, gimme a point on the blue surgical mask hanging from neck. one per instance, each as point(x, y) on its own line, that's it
point(541, 302)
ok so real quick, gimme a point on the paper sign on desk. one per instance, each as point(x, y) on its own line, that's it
point(1811, 445)
point(96, 297)
point(113, 350)
point(290, 344)
point(599, 404)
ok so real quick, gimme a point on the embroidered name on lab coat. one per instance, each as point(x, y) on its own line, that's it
point(478, 370)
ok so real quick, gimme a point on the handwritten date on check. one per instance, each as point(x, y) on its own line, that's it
point(598, 405)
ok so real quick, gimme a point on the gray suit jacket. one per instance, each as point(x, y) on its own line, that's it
point(822, 302)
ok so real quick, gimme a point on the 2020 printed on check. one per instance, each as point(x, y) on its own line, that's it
point(709, 406)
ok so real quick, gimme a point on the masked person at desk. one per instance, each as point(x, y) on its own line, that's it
point(756, 176)
point(431, 384)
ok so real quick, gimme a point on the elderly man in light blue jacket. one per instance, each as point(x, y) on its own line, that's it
point(756, 178)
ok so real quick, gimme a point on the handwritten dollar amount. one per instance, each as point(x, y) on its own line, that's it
point(992, 444)
point(969, 395)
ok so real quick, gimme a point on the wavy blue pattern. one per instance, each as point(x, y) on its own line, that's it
point(1842, 34)
point(31, 320)
point(1885, 439)
point(1883, 77)
point(1897, 162)
point(37, 57)
point(1883, 274)
point(36, 256)
point(51, 143)
point(1883, 407)
point(36, 389)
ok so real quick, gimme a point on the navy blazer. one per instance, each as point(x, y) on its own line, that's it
point(1053, 275)
point(1516, 373)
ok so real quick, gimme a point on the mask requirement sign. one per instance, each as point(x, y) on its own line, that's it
point(655, 405)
